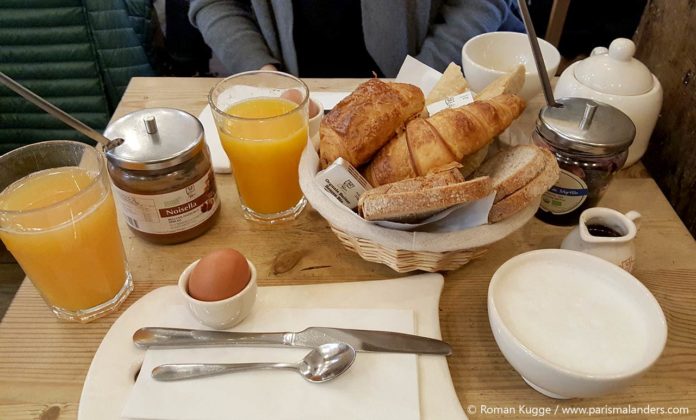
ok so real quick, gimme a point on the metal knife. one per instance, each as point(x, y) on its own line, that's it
point(361, 340)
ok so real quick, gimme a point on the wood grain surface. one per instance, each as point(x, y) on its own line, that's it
point(43, 361)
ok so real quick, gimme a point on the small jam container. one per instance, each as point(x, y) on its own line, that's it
point(590, 141)
point(161, 175)
point(220, 314)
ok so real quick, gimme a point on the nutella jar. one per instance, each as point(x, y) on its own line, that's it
point(161, 175)
point(590, 142)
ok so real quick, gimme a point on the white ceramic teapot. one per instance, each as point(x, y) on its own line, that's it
point(614, 77)
point(607, 234)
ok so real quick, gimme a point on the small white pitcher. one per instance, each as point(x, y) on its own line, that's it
point(618, 250)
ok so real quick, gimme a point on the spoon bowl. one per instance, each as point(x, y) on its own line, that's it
point(326, 362)
point(322, 364)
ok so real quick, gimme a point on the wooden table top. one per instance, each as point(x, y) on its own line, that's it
point(43, 361)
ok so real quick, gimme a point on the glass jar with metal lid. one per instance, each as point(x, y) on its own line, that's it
point(590, 140)
point(162, 177)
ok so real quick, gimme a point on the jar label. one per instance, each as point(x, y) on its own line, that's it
point(569, 192)
point(172, 212)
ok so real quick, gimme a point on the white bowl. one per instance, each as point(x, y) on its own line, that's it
point(572, 324)
point(220, 314)
point(488, 56)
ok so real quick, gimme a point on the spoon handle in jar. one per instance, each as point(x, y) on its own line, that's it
point(538, 57)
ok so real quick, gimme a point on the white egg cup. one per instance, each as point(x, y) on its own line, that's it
point(220, 314)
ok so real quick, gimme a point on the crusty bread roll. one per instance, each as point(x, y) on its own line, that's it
point(446, 137)
point(366, 119)
point(524, 196)
point(415, 199)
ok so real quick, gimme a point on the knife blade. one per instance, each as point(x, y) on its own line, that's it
point(360, 340)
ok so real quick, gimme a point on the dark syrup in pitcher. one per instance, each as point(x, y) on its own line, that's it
point(603, 231)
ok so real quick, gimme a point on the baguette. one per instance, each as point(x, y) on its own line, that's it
point(510, 83)
point(451, 83)
point(524, 196)
point(415, 199)
point(366, 119)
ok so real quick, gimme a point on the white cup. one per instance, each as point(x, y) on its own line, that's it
point(220, 314)
point(315, 123)
point(488, 56)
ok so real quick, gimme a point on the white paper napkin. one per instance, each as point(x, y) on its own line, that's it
point(416, 73)
point(378, 385)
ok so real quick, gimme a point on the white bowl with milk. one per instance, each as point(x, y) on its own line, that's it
point(574, 325)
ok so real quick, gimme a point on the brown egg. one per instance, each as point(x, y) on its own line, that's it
point(219, 275)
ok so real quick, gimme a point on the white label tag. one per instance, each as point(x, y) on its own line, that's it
point(451, 102)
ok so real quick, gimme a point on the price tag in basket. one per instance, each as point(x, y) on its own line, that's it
point(343, 182)
point(451, 102)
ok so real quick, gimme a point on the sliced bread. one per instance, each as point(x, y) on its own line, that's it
point(512, 168)
point(510, 83)
point(415, 199)
point(521, 198)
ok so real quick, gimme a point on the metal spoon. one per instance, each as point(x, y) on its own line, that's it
point(538, 57)
point(59, 113)
point(319, 365)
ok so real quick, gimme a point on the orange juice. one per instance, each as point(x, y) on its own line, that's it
point(65, 236)
point(264, 144)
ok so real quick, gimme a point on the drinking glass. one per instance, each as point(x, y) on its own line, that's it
point(261, 117)
point(58, 219)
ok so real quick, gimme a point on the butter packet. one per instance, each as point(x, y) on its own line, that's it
point(343, 182)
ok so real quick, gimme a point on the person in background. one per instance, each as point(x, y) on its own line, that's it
point(346, 38)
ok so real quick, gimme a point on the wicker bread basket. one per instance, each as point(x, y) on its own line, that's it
point(400, 250)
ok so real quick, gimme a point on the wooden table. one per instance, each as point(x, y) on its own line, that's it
point(43, 361)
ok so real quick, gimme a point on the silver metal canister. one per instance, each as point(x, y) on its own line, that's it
point(590, 140)
point(162, 177)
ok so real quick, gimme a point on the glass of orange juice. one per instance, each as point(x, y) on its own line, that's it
point(261, 117)
point(58, 219)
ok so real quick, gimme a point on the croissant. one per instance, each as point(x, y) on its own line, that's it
point(448, 136)
point(366, 119)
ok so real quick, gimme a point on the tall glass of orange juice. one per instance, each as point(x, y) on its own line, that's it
point(261, 117)
point(58, 219)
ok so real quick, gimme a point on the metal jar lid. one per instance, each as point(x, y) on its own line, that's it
point(155, 138)
point(586, 126)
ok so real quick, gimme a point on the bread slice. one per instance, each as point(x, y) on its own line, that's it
point(415, 199)
point(528, 193)
point(512, 168)
point(510, 83)
point(451, 83)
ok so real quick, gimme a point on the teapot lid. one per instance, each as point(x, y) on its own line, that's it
point(615, 71)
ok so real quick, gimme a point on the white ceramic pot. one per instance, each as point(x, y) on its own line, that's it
point(614, 77)
point(617, 250)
